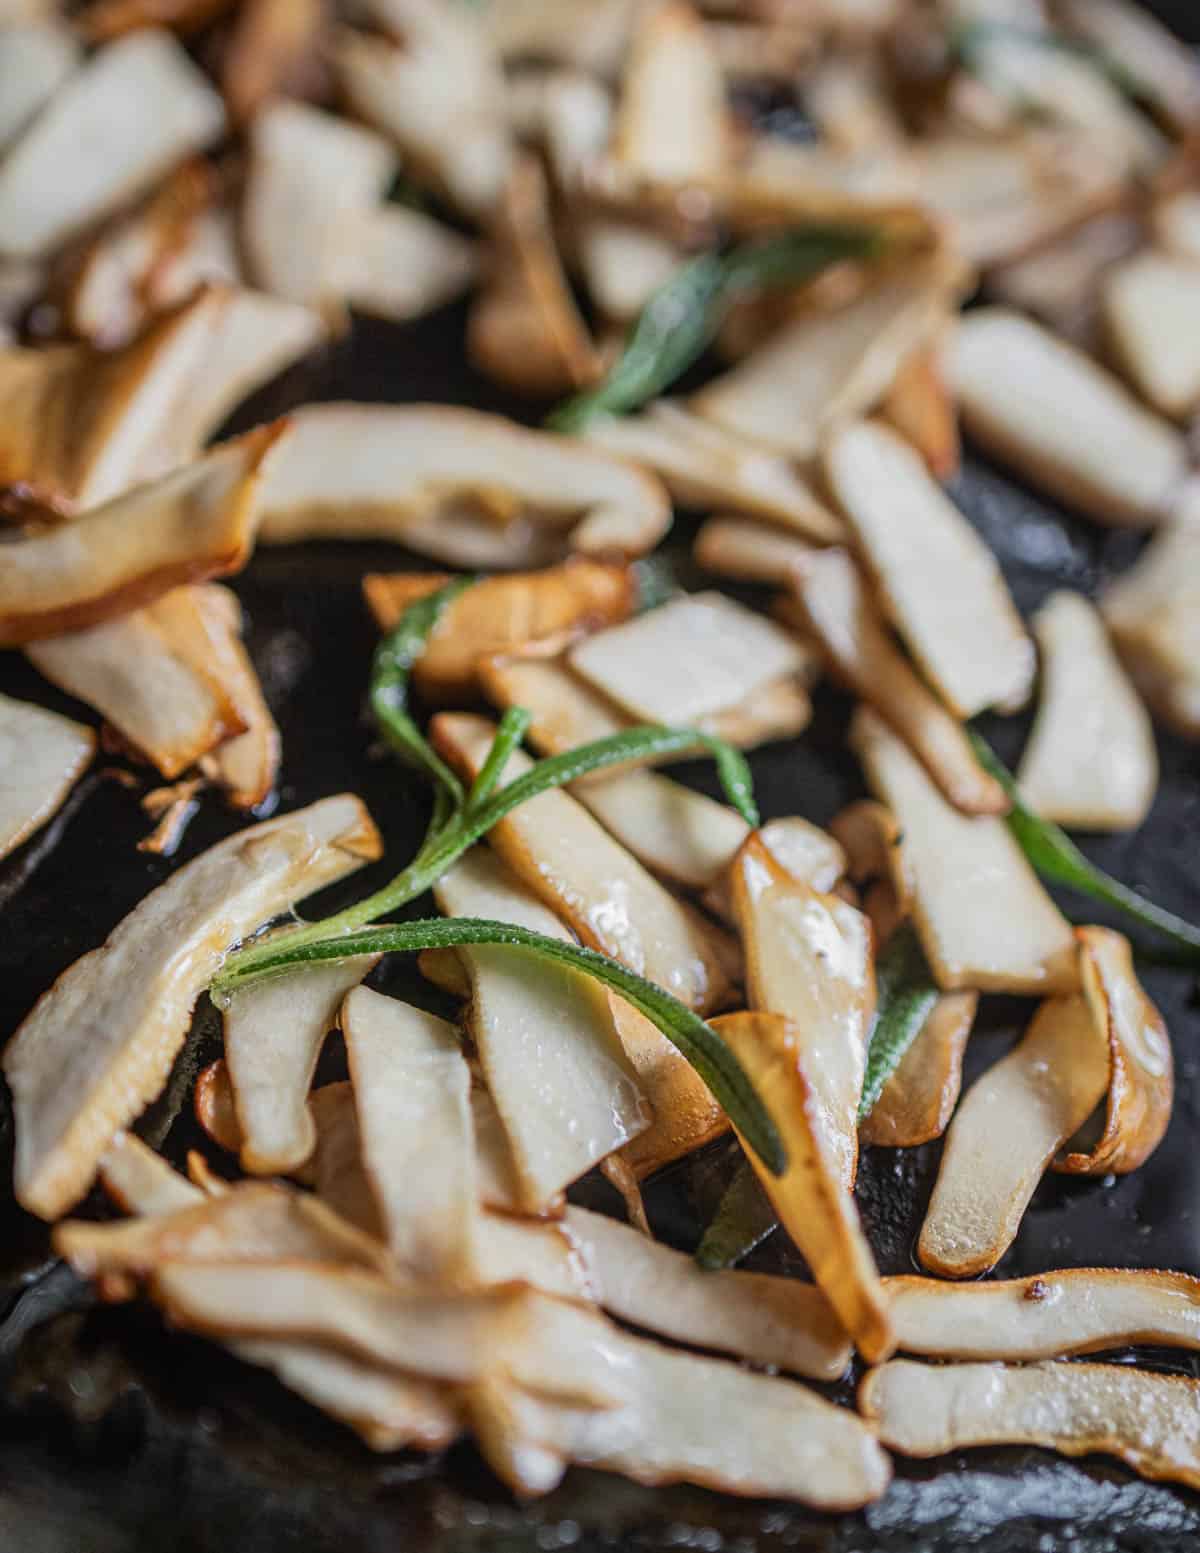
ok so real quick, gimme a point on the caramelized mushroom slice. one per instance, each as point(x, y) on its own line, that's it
point(37, 58)
point(135, 109)
point(920, 406)
point(101, 20)
point(100, 1043)
point(1115, 461)
point(672, 121)
point(1152, 315)
point(417, 473)
point(1010, 1125)
point(1146, 1421)
point(214, 1108)
point(984, 919)
point(1091, 760)
point(42, 756)
point(918, 1100)
point(745, 551)
point(275, 49)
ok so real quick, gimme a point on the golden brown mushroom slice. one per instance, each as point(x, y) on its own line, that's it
point(814, 1202)
point(937, 579)
point(1147, 1421)
point(42, 756)
point(672, 122)
point(1010, 1125)
point(836, 607)
point(99, 1045)
point(1114, 460)
point(763, 1319)
point(101, 20)
point(194, 524)
point(136, 108)
point(1091, 760)
point(454, 483)
point(984, 919)
point(1152, 315)
point(918, 1100)
point(37, 58)
point(920, 406)
point(1141, 1084)
point(1078, 1310)
point(274, 49)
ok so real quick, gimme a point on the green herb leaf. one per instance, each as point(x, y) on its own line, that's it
point(514, 725)
point(1056, 858)
point(905, 995)
point(680, 320)
point(743, 1220)
point(698, 1042)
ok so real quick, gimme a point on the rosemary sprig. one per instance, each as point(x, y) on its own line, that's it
point(905, 994)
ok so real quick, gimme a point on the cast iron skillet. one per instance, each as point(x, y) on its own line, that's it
point(116, 1436)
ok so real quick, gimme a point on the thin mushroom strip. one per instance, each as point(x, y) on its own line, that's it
point(918, 1100)
point(42, 755)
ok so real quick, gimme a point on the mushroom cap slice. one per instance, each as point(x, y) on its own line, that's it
point(100, 1043)
point(409, 472)
point(1146, 1421)
point(1091, 760)
point(1152, 314)
point(984, 918)
point(194, 524)
point(1010, 1125)
point(36, 59)
point(745, 551)
point(135, 109)
point(42, 755)
point(1114, 460)
point(1078, 1310)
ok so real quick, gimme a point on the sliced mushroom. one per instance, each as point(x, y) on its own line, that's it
point(1117, 462)
point(836, 607)
point(672, 121)
point(37, 59)
point(1175, 220)
point(100, 1043)
point(588, 34)
point(705, 465)
point(414, 472)
point(766, 1320)
point(1091, 759)
point(1061, 282)
point(542, 1255)
point(1146, 1421)
point(1152, 313)
point(101, 20)
point(140, 1181)
point(745, 551)
point(42, 756)
point(624, 264)
point(566, 711)
point(194, 524)
point(1130, 37)
point(867, 833)
point(134, 110)
point(214, 1108)
point(918, 1100)
point(274, 49)
point(1010, 1125)
point(551, 1055)
point(921, 408)
point(499, 614)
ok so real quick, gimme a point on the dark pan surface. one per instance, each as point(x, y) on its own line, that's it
point(115, 1436)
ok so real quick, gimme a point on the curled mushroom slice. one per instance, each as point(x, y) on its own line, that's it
point(1146, 1421)
point(36, 60)
point(746, 551)
point(411, 472)
point(1152, 311)
point(918, 1100)
point(1117, 462)
point(705, 465)
point(214, 1109)
point(1091, 760)
point(766, 1320)
point(134, 110)
point(867, 832)
point(1009, 1126)
point(939, 582)
point(274, 1031)
point(42, 755)
point(672, 120)
point(836, 607)
point(194, 524)
point(564, 1090)
point(984, 919)
point(99, 1045)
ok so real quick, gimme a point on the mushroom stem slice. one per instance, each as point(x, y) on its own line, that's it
point(1010, 1125)
point(672, 120)
point(812, 1199)
point(680, 835)
point(745, 551)
point(984, 919)
point(1091, 760)
point(1078, 1310)
point(1152, 314)
point(42, 756)
point(99, 1045)
point(274, 49)
point(1146, 1421)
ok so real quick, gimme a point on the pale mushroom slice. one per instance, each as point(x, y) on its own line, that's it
point(1061, 283)
point(397, 263)
point(100, 1044)
point(704, 465)
point(1147, 1421)
point(135, 109)
point(412, 1095)
point(812, 1197)
point(575, 867)
point(194, 524)
point(37, 58)
point(141, 1182)
point(499, 614)
point(590, 35)
point(544, 1255)
point(624, 265)
point(1091, 760)
point(765, 1320)
point(1078, 1310)
point(1114, 460)
point(836, 607)
point(745, 551)
point(938, 580)
point(1175, 221)
point(274, 1031)
point(920, 406)
point(1009, 1126)
point(1130, 38)
point(918, 1100)
point(984, 919)
point(411, 472)
point(1151, 306)
point(564, 1090)
point(672, 121)
point(42, 756)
